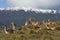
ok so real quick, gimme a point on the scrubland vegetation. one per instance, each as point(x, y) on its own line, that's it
point(29, 32)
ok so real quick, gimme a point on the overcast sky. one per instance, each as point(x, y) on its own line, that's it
point(45, 4)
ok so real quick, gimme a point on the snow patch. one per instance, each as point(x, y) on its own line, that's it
point(30, 9)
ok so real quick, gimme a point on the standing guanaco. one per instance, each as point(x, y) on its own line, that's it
point(35, 23)
point(7, 31)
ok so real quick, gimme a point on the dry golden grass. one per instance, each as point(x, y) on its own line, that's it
point(27, 34)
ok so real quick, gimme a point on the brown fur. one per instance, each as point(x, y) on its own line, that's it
point(7, 31)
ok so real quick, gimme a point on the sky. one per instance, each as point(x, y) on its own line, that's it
point(3, 4)
point(44, 4)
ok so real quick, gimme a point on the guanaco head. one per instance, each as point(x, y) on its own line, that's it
point(30, 19)
point(5, 27)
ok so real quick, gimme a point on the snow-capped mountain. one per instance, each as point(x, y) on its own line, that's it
point(31, 9)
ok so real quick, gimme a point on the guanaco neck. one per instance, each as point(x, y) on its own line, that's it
point(13, 26)
point(5, 27)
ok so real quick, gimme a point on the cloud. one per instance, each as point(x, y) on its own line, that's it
point(33, 3)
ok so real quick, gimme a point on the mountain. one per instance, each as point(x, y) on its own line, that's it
point(31, 9)
point(20, 15)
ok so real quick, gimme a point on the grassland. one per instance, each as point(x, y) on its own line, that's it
point(26, 34)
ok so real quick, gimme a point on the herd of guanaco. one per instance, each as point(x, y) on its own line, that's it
point(30, 21)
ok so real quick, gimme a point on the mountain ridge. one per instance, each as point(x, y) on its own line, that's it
point(31, 9)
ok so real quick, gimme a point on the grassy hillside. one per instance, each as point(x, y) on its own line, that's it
point(24, 33)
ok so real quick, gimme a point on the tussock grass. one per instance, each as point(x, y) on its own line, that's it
point(27, 34)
